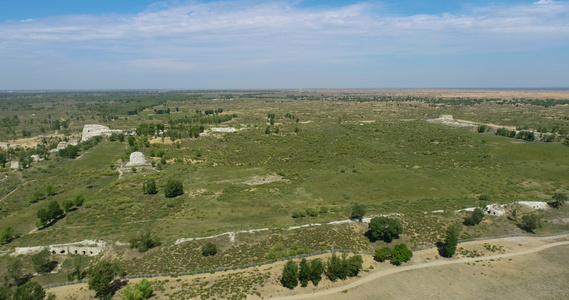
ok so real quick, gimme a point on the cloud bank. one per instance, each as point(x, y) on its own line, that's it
point(233, 36)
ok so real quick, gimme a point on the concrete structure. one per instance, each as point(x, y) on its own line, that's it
point(14, 164)
point(136, 159)
point(91, 130)
point(86, 247)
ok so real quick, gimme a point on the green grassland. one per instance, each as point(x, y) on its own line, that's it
point(383, 154)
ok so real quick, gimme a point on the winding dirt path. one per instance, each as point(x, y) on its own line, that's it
point(438, 263)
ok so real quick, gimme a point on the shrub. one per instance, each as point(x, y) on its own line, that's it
point(78, 199)
point(174, 187)
point(382, 254)
point(358, 211)
point(149, 187)
point(530, 222)
point(316, 271)
point(209, 249)
point(37, 196)
point(304, 273)
point(312, 212)
point(475, 218)
point(143, 241)
point(400, 254)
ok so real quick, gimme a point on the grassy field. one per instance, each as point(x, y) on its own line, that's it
point(340, 148)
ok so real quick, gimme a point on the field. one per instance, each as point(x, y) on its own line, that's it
point(324, 150)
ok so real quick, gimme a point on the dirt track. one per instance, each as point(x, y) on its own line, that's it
point(438, 263)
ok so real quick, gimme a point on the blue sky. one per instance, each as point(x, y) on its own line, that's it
point(99, 44)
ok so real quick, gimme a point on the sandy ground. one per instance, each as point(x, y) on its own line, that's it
point(518, 268)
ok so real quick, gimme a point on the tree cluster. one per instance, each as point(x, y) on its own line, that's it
point(399, 254)
point(385, 228)
point(46, 216)
point(309, 271)
point(341, 268)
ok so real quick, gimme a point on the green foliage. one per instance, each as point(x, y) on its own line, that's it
point(385, 228)
point(78, 199)
point(290, 275)
point(400, 254)
point(354, 265)
point(316, 271)
point(558, 200)
point(131, 140)
point(7, 235)
point(29, 291)
point(5, 292)
point(143, 241)
point(341, 268)
point(382, 254)
point(100, 277)
point(358, 211)
point(530, 222)
point(69, 152)
point(50, 190)
point(451, 240)
point(209, 249)
point(13, 271)
point(67, 204)
point(304, 273)
point(149, 187)
point(174, 187)
point(53, 210)
point(142, 290)
point(312, 212)
point(37, 196)
point(482, 128)
point(475, 217)
point(41, 262)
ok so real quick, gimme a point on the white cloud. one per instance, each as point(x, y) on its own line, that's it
point(191, 36)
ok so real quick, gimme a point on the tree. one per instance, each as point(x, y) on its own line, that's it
point(558, 200)
point(78, 199)
point(53, 210)
point(149, 187)
point(131, 140)
point(41, 262)
point(209, 249)
point(141, 291)
point(451, 240)
point(385, 228)
point(29, 291)
point(382, 254)
point(400, 254)
point(100, 277)
point(290, 275)
point(50, 190)
point(316, 271)
point(7, 235)
point(174, 187)
point(530, 222)
point(475, 218)
point(354, 265)
point(358, 211)
point(43, 217)
point(304, 273)
point(67, 204)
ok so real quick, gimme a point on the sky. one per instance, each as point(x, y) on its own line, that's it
point(242, 44)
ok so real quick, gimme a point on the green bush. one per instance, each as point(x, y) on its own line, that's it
point(382, 254)
point(290, 275)
point(209, 249)
point(400, 254)
point(174, 187)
